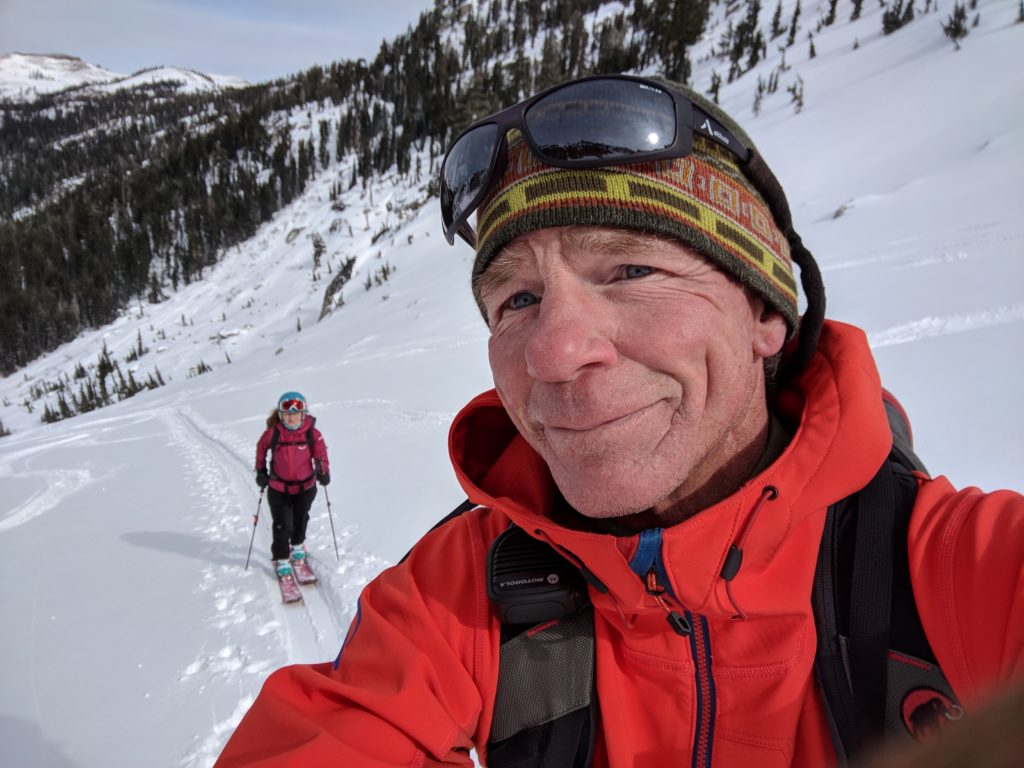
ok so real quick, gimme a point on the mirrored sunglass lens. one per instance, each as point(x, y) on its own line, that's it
point(602, 119)
point(466, 171)
point(292, 406)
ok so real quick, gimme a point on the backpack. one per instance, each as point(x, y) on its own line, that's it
point(275, 438)
point(868, 630)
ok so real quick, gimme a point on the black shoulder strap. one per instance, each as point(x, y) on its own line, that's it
point(871, 598)
point(877, 672)
point(852, 605)
point(310, 438)
point(545, 702)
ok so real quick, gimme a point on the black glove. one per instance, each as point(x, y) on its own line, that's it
point(324, 478)
point(262, 478)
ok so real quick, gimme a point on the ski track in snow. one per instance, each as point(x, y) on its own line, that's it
point(223, 479)
point(927, 327)
point(259, 633)
point(57, 484)
point(915, 252)
point(60, 483)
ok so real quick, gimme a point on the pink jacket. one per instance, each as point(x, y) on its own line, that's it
point(297, 457)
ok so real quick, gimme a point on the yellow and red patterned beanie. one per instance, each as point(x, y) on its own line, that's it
point(703, 200)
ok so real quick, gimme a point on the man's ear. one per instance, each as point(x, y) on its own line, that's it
point(769, 330)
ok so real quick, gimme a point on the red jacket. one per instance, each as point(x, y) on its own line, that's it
point(415, 682)
point(293, 465)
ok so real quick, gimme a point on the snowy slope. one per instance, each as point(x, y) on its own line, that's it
point(26, 76)
point(188, 80)
point(134, 636)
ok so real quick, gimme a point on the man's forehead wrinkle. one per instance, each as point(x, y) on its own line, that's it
point(615, 241)
point(576, 244)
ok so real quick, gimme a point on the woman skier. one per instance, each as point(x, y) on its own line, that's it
point(298, 459)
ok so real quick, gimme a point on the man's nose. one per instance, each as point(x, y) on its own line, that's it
point(569, 336)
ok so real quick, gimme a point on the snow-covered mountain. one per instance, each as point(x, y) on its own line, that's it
point(133, 635)
point(26, 76)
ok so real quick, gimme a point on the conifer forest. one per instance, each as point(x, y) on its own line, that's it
point(110, 199)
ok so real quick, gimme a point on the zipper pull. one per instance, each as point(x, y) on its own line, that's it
point(675, 619)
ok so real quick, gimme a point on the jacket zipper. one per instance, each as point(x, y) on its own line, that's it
point(686, 624)
point(700, 647)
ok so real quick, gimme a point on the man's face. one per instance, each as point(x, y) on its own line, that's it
point(631, 365)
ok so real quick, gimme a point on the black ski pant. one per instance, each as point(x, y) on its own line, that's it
point(290, 513)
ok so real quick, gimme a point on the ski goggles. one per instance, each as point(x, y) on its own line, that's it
point(588, 123)
point(292, 406)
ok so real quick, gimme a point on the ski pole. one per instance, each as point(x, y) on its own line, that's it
point(255, 520)
point(331, 516)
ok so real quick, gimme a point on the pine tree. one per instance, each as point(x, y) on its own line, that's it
point(794, 25)
point(716, 85)
point(897, 16)
point(796, 92)
point(777, 28)
point(325, 153)
point(672, 28)
point(747, 40)
point(955, 26)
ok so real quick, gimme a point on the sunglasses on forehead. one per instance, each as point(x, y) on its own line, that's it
point(588, 123)
point(292, 406)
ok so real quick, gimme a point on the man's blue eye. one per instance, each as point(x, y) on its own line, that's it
point(637, 270)
point(522, 300)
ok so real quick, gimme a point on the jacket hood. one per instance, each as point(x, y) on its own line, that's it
point(841, 439)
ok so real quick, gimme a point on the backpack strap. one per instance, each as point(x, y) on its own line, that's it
point(544, 707)
point(902, 435)
point(871, 599)
point(545, 703)
point(876, 670)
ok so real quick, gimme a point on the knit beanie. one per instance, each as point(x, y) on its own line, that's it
point(703, 200)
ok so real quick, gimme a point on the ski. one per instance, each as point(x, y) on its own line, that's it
point(290, 592)
point(303, 572)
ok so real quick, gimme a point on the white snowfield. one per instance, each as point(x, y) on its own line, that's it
point(24, 77)
point(134, 636)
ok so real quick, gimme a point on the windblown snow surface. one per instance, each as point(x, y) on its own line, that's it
point(134, 636)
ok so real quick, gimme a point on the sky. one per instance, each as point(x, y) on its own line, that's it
point(256, 40)
point(134, 635)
